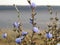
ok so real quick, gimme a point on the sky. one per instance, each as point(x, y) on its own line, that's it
point(24, 2)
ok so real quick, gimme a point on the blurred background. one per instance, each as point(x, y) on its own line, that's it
point(8, 15)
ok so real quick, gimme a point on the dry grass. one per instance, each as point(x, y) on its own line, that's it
point(38, 39)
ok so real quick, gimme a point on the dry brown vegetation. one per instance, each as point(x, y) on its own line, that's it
point(10, 40)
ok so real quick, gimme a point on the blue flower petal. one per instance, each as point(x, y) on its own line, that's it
point(4, 35)
point(16, 24)
point(24, 33)
point(49, 35)
point(36, 30)
point(33, 5)
point(18, 40)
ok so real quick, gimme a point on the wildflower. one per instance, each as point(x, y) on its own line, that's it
point(49, 35)
point(16, 24)
point(4, 35)
point(33, 5)
point(19, 40)
point(36, 30)
point(24, 33)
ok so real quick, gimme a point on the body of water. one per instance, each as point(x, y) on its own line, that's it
point(8, 15)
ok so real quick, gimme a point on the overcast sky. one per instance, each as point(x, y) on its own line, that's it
point(24, 2)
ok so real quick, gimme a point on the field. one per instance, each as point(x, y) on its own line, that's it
point(38, 39)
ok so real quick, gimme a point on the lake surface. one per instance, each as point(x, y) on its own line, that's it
point(8, 16)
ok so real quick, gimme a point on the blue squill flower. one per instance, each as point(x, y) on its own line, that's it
point(4, 35)
point(36, 30)
point(16, 24)
point(19, 40)
point(33, 5)
point(24, 33)
point(49, 35)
